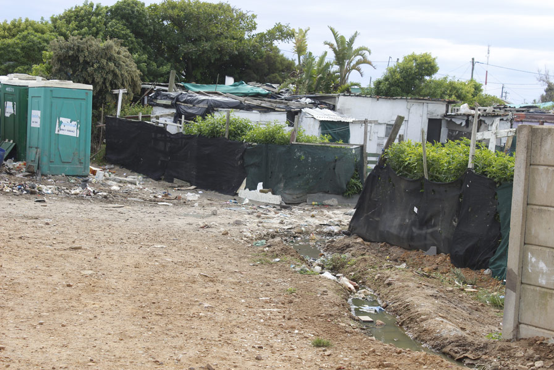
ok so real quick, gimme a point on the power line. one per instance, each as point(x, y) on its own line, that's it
point(511, 69)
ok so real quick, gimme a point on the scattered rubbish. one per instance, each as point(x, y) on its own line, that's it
point(402, 266)
point(371, 309)
point(365, 318)
point(165, 204)
point(276, 260)
point(184, 189)
point(328, 275)
point(40, 200)
point(259, 243)
point(159, 246)
point(257, 196)
point(432, 251)
point(192, 196)
point(487, 272)
point(114, 206)
point(75, 248)
point(87, 272)
point(350, 213)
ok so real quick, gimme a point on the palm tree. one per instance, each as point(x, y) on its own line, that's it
point(348, 58)
point(300, 43)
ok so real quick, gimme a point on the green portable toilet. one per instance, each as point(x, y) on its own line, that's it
point(13, 122)
point(60, 119)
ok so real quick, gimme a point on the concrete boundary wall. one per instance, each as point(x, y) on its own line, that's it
point(529, 303)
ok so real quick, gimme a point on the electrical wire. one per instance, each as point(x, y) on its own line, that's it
point(511, 69)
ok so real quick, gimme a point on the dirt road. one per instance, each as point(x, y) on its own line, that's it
point(89, 284)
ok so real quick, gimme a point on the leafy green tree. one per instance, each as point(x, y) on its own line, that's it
point(105, 65)
point(407, 77)
point(22, 43)
point(413, 77)
point(347, 57)
point(81, 20)
point(199, 37)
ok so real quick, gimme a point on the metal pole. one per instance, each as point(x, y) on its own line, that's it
point(472, 67)
point(119, 99)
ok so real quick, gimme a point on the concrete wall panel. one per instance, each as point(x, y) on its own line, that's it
point(530, 331)
point(540, 226)
point(541, 179)
point(537, 307)
point(538, 266)
point(542, 151)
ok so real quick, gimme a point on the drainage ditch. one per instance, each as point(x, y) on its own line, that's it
point(380, 324)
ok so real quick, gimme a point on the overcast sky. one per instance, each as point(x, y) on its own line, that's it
point(519, 33)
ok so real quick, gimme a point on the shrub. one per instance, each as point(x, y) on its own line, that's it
point(447, 162)
point(242, 129)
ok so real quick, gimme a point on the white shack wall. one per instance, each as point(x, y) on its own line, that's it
point(384, 111)
point(258, 117)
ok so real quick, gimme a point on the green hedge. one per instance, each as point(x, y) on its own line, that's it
point(447, 162)
point(242, 129)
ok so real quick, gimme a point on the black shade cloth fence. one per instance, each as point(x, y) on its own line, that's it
point(209, 163)
point(458, 217)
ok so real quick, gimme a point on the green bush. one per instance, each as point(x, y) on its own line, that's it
point(447, 162)
point(242, 129)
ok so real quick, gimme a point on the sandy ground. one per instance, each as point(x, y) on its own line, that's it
point(127, 276)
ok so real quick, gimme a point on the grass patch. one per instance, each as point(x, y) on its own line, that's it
point(290, 290)
point(493, 299)
point(494, 335)
point(462, 279)
point(307, 272)
point(337, 262)
point(320, 342)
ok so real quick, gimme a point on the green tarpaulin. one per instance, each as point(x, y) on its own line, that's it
point(238, 88)
point(498, 262)
point(294, 171)
point(339, 131)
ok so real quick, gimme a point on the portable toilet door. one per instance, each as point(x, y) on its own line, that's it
point(14, 115)
point(59, 128)
point(14, 94)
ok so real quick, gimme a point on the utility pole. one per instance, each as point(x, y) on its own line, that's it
point(472, 67)
point(502, 92)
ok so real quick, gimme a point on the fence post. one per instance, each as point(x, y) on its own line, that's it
point(227, 119)
point(364, 150)
point(392, 137)
point(423, 142)
point(294, 133)
point(473, 138)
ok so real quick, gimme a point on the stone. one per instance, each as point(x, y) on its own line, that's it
point(379, 323)
point(331, 202)
point(539, 364)
point(259, 357)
